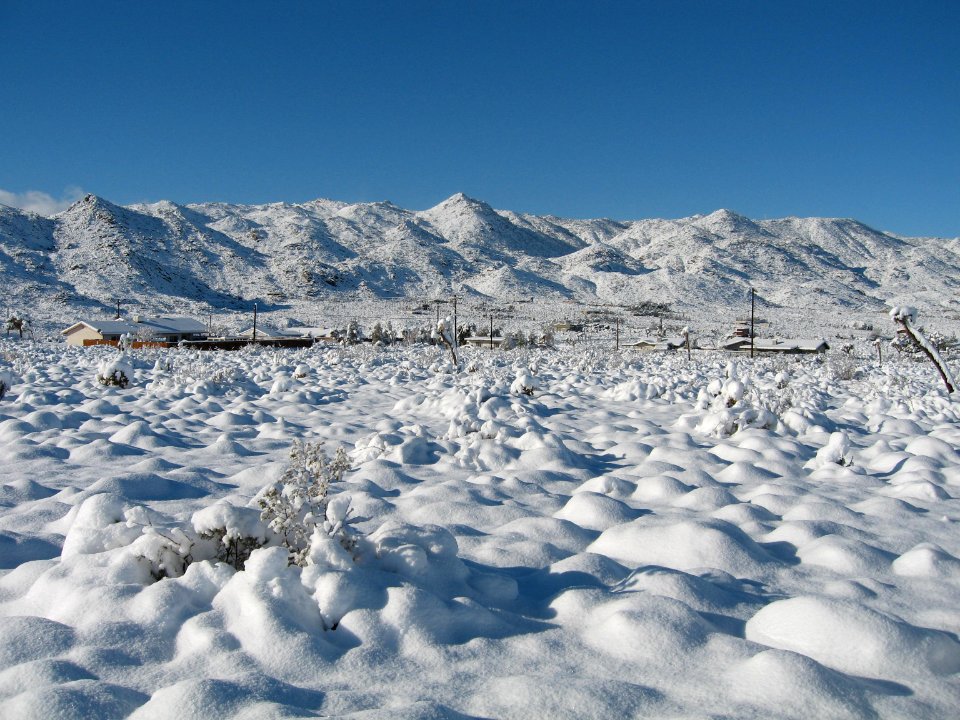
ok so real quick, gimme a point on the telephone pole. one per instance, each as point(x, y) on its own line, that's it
point(455, 332)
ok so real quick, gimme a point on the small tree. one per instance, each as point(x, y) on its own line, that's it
point(905, 317)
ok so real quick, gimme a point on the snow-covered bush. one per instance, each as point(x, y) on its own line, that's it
point(18, 323)
point(230, 533)
point(843, 366)
point(525, 384)
point(167, 550)
point(115, 371)
point(195, 371)
point(6, 382)
point(733, 405)
point(297, 504)
point(443, 333)
point(836, 451)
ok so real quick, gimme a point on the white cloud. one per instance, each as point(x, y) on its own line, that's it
point(40, 202)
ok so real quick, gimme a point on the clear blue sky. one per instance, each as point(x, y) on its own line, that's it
point(618, 109)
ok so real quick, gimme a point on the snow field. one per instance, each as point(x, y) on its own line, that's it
point(547, 535)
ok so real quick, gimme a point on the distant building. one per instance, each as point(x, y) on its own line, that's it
point(791, 346)
point(161, 329)
point(270, 333)
point(668, 343)
point(484, 341)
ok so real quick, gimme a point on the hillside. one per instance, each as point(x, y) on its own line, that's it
point(216, 256)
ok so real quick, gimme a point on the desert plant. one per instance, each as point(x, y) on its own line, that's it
point(297, 504)
point(905, 317)
point(444, 333)
point(116, 372)
point(18, 323)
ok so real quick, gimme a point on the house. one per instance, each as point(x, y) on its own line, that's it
point(668, 343)
point(791, 346)
point(265, 332)
point(160, 330)
point(484, 341)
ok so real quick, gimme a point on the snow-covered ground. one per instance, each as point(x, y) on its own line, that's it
point(571, 533)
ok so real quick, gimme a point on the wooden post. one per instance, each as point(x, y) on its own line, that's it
point(254, 322)
point(455, 332)
point(752, 333)
point(617, 320)
point(491, 331)
point(118, 309)
point(688, 345)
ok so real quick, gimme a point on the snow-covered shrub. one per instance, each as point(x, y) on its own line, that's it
point(836, 451)
point(301, 371)
point(353, 334)
point(6, 382)
point(167, 550)
point(843, 366)
point(115, 371)
point(733, 405)
point(18, 323)
point(195, 371)
point(525, 384)
point(230, 533)
point(297, 504)
point(443, 333)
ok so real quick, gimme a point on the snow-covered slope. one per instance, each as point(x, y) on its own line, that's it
point(165, 256)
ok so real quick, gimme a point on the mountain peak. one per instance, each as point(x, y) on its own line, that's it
point(462, 199)
point(90, 203)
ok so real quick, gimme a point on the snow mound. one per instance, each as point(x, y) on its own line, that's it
point(853, 638)
point(684, 545)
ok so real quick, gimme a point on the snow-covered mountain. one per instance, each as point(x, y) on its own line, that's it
point(165, 256)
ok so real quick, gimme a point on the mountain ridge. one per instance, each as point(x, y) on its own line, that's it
point(166, 256)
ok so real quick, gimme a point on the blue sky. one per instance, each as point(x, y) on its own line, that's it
point(617, 109)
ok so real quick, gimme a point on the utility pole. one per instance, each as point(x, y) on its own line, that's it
point(753, 294)
point(254, 322)
point(455, 331)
